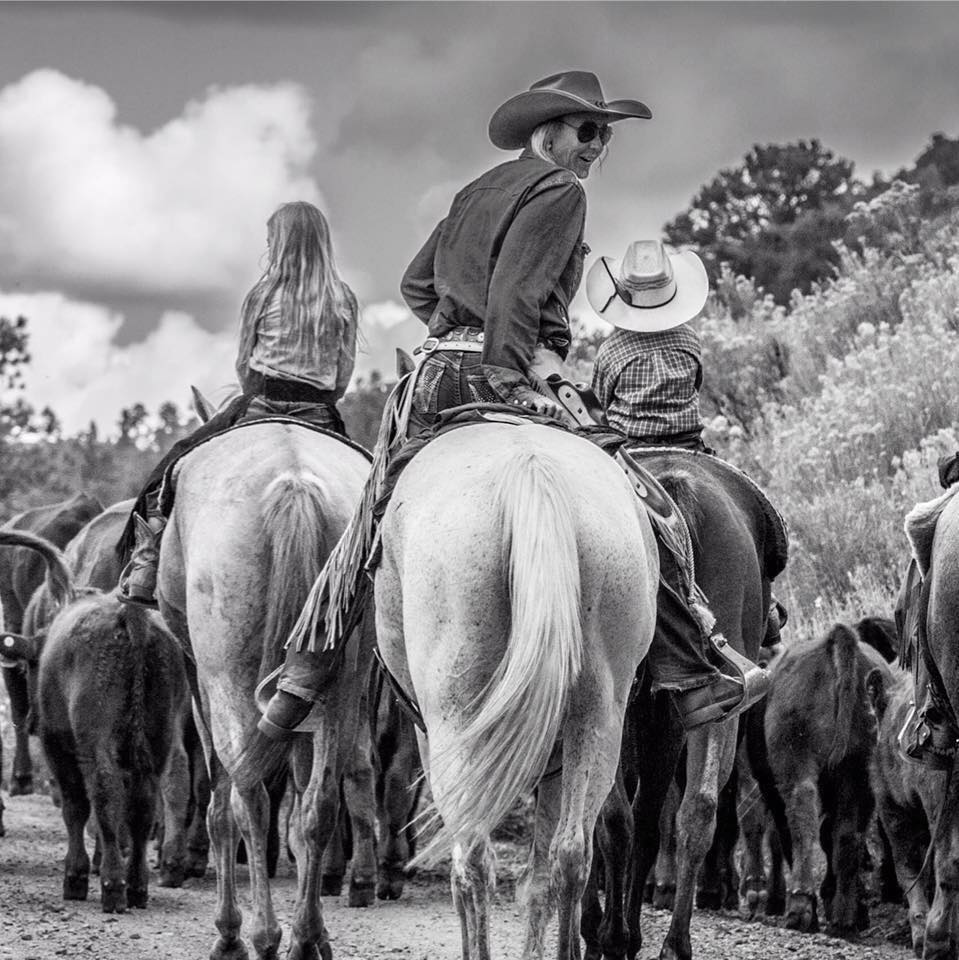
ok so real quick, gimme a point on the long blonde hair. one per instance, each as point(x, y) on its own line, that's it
point(315, 302)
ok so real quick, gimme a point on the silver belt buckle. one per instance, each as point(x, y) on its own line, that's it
point(427, 346)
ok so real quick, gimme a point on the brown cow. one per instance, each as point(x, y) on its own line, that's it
point(821, 739)
point(21, 572)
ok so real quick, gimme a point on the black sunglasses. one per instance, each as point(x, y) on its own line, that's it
point(587, 131)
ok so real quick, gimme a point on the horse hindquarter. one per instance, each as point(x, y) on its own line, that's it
point(502, 667)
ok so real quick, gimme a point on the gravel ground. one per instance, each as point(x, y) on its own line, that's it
point(36, 924)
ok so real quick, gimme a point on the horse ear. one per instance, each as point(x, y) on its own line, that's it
point(876, 691)
point(204, 409)
point(404, 363)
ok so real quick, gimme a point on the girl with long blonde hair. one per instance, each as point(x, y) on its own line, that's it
point(297, 350)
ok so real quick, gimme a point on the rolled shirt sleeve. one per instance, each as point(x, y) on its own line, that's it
point(543, 237)
point(418, 285)
point(346, 360)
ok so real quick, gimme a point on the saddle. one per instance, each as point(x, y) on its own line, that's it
point(168, 486)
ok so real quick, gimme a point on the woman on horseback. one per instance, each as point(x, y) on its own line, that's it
point(493, 283)
point(297, 352)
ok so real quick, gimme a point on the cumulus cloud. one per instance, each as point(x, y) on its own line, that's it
point(78, 370)
point(89, 203)
point(384, 327)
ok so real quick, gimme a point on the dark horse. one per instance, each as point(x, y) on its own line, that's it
point(939, 558)
point(739, 547)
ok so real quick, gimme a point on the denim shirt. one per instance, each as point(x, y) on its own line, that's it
point(325, 361)
point(507, 258)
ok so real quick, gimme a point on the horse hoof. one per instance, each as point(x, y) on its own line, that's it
point(21, 786)
point(113, 901)
point(76, 887)
point(173, 875)
point(361, 894)
point(801, 913)
point(775, 906)
point(229, 950)
point(711, 899)
point(331, 885)
point(389, 889)
point(669, 952)
point(138, 897)
point(664, 896)
point(313, 951)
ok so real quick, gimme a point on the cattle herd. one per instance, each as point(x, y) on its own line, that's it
point(820, 798)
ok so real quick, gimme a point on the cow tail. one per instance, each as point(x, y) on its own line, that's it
point(133, 633)
point(842, 647)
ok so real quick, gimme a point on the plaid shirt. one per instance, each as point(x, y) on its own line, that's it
point(648, 383)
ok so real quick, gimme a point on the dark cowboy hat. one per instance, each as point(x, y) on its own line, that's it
point(574, 91)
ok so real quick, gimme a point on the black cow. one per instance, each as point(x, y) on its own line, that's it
point(111, 696)
point(21, 572)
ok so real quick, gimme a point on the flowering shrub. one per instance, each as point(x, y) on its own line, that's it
point(846, 441)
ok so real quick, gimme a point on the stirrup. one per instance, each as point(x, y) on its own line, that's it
point(929, 744)
point(755, 678)
point(134, 601)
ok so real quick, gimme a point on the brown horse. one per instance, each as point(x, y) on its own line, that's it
point(739, 546)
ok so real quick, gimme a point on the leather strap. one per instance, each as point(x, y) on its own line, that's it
point(16, 647)
point(433, 345)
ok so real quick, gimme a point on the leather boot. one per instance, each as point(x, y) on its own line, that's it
point(728, 696)
point(300, 682)
point(138, 580)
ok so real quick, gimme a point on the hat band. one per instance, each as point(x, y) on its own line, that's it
point(627, 296)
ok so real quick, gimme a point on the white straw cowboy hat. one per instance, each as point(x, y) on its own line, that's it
point(648, 289)
point(574, 91)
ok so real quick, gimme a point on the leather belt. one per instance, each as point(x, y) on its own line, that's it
point(432, 345)
point(295, 391)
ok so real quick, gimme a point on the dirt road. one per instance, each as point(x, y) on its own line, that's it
point(36, 924)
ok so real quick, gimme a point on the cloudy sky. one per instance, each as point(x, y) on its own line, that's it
point(144, 145)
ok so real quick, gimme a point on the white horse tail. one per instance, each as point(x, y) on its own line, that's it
point(293, 508)
point(503, 750)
